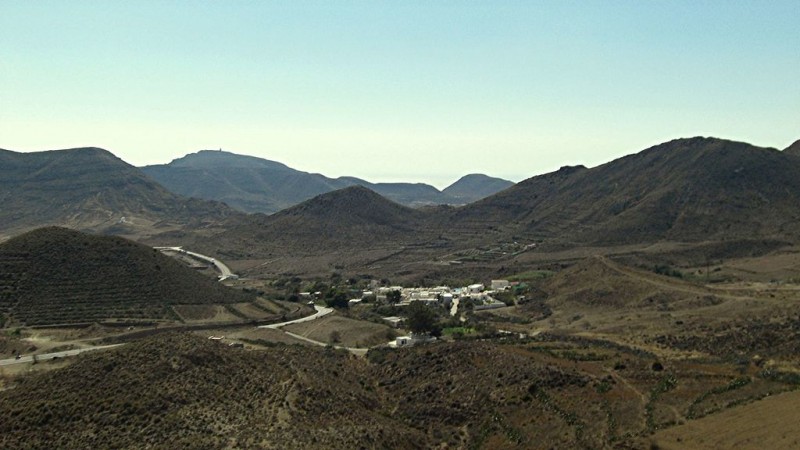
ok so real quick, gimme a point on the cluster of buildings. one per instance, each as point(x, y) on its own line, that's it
point(441, 296)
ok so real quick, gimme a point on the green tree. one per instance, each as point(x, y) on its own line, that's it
point(394, 296)
point(421, 319)
point(335, 299)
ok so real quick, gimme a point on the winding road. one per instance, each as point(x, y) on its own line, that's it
point(224, 271)
point(48, 356)
point(321, 311)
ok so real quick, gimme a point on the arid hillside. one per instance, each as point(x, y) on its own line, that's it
point(684, 190)
point(60, 276)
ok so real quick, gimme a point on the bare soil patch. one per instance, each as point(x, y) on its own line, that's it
point(344, 331)
point(204, 313)
point(252, 311)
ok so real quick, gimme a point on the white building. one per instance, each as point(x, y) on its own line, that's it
point(394, 321)
point(499, 285)
point(408, 341)
point(475, 288)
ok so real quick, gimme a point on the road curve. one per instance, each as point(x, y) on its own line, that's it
point(224, 271)
point(321, 311)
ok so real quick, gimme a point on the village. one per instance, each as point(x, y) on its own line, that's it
point(445, 300)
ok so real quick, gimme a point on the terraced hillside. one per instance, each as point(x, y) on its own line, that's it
point(60, 276)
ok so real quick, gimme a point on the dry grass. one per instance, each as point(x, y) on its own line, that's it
point(769, 423)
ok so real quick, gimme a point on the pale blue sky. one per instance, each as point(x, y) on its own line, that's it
point(415, 91)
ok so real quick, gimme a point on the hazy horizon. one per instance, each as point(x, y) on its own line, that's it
point(412, 91)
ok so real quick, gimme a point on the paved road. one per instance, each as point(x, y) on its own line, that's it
point(224, 271)
point(47, 356)
point(353, 350)
point(321, 311)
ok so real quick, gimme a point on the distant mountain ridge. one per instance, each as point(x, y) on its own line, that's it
point(254, 184)
point(692, 190)
point(91, 189)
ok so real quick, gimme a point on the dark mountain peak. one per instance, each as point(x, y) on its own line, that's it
point(475, 176)
point(793, 149)
point(703, 145)
point(355, 200)
point(343, 219)
point(475, 186)
point(220, 158)
point(561, 174)
point(569, 170)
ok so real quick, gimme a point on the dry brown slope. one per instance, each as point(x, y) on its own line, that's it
point(600, 282)
point(769, 423)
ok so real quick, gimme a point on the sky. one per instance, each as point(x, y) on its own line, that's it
point(418, 91)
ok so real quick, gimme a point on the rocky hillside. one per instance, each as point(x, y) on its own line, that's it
point(89, 188)
point(55, 275)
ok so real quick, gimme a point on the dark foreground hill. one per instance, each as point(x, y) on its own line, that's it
point(182, 391)
point(91, 189)
point(684, 190)
point(258, 185)
point(55, 275)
